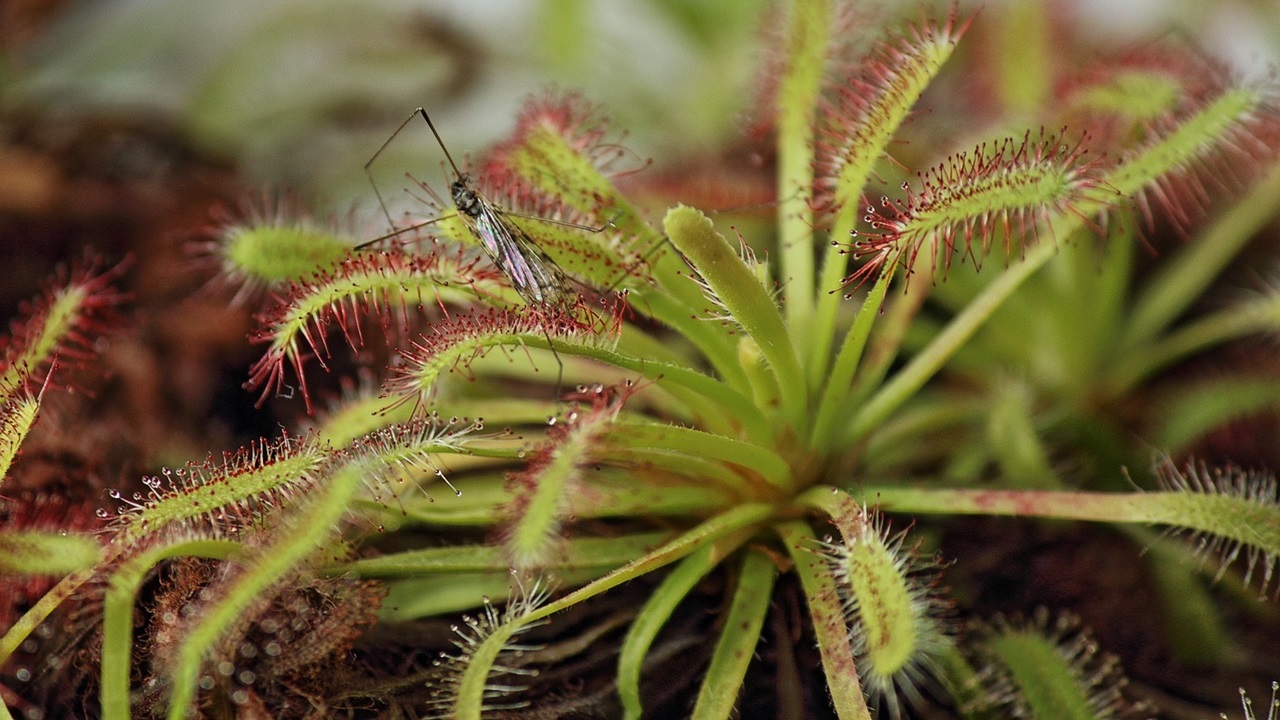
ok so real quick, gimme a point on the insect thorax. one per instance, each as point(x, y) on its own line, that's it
point(464, 198)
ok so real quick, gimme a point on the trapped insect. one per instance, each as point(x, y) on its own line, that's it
point(533, 274)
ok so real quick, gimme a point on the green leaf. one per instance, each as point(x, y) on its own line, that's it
point(1193, 411)
point(728, 529)
point(46, 552)
point(573, 553)
point(1050, 681)
point(652, 616)
point(739, 635)
point(550, 478)
point(275, 253)
point(17, 416)
point(267, 474)
point(117, 614)
point(827, 614)
point(696, 444)
point(745, 299)
point(809, 29)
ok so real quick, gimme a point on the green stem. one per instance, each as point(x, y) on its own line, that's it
point(827, 614)
point(117, 616)
point(42, 608)
point(890, 328)
point(738, 638)
point(835, 392)
point(1099, 507)
point(587, 552)
point(829, 294)
point(732, 526)
point(652, 617)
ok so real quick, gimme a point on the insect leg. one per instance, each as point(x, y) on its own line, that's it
point(576, 226)
point(368, 172)
point(418, 112)
point(394, 233)
point(559, 365)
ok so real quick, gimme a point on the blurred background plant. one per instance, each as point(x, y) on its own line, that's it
point(296, 93)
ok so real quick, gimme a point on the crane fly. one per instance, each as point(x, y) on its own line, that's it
point(535, 277)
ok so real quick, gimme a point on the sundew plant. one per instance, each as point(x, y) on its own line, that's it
point(693, 417)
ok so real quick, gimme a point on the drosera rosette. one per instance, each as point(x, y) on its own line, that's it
point(1108, 333)
point(761, 401)
point(1106, 338)
point(725, 408)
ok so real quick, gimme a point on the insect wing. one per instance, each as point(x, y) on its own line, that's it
point(533, 275)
